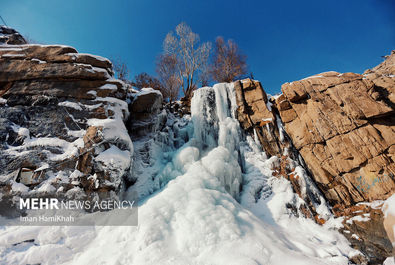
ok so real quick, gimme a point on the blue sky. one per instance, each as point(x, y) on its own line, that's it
point(284, 40)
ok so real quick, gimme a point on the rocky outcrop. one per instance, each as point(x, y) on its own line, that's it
point(255, 115)
point(343, 126)
point(144, 108)
point(363, 227)
point(10, 36)
point(258, 117)
point(62, 125)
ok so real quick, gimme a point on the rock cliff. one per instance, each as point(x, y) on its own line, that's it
point(343, 126)
point(259, 117)
point(61, 114)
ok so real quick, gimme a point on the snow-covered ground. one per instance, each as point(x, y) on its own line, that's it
point(207, 197)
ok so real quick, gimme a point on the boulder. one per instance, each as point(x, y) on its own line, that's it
point(41, 54)
point(145, 107)
point(147, 100)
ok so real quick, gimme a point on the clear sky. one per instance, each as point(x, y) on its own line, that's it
point(284, 40)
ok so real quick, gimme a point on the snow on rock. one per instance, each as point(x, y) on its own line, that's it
point(65, 148)
point(21, 55)
point(38, 61)
point(358, 218)
point(147, 90)
point(114, 131)
point(97, 57)
point(19, 187)
point(70, 104)
point(115, 158)
point(389, 206)
point(69, 111)
point(24, 132)
point(46, 188)
point(389, 218)
point(109, 87)
point(389, 261)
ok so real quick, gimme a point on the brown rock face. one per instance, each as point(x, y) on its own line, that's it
point(255, 116)
point(363, 227)
point(29, 62)
point(389, 223)
point(259, 118)
point(343, 126)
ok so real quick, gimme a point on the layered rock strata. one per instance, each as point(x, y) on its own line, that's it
point(62, 125)
point(259, 117)
point(343, 126)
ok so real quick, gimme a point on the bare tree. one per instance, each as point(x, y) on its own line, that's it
point(167, 70)
point(144, 80)
point(228, 63)
point(205, 75)
point(190, 55)
point(121, 69)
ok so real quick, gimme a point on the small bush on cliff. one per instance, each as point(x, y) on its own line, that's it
point(121, 69)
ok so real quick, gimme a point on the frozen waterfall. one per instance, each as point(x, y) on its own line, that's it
point(217, 131)
point(211, 138)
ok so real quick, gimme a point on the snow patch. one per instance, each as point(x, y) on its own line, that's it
point(358, 218)
point(389, 206)
point(115, 158)
point(147, 90)
point(38, 61)
point(69, 104)
point(111, 87)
